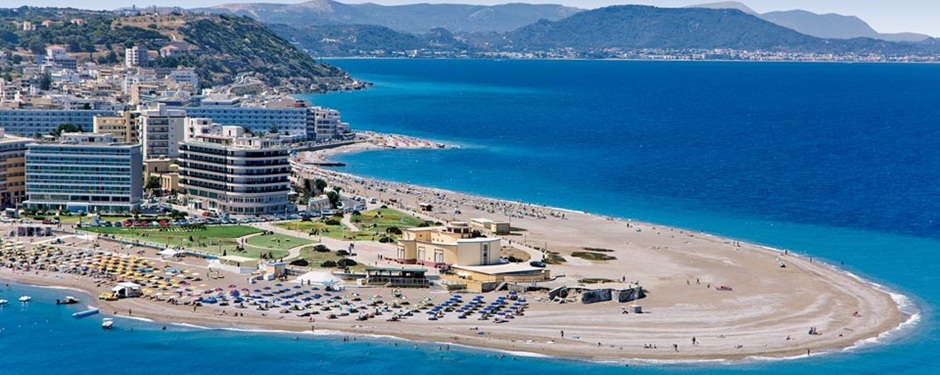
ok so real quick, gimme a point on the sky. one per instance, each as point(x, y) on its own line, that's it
point(887, 16)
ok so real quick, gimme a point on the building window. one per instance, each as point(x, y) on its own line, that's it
point(485, 254)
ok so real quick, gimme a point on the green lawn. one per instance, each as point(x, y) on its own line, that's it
point(277, 241)
point(320, 228)
point(316, 258)
point(373, 224)
point(212, 239)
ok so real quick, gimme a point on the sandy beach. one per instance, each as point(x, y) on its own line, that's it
point(767, 312)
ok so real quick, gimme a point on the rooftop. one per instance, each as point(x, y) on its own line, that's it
point(499, 269)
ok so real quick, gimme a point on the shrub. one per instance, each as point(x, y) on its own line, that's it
point(331, 222)
point(345, 262)
point(342, 253)
point(321, 248)
point(328, 264)
point(386, 240)
point(300, 262)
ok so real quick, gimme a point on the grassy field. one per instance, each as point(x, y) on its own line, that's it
point(277, 241)
point(372, 225)
point(316, 258)
point(319, 227)
point(211, 239)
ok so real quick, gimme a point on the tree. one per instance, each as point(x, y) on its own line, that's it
point(153, 183)
point(320, 185)
point(333, 197)
point(45, 82)
point(177, 214)
point(66, 128)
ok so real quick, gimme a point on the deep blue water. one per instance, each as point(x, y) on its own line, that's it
point(836, 160)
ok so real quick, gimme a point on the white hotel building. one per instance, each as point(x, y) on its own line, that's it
point(222, 169)
point(29, 122)
point(84, 172)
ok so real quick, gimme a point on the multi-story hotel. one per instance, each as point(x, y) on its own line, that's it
point(29, 122)
point(84, 172)
point(326, 124)
point(293, 119)
point(258, 120)
point(161, 131)
point(122, 126)
point(12, 169)
point(224, 170)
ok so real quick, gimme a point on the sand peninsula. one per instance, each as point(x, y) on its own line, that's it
point(768, 311)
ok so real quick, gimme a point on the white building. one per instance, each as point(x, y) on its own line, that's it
point(161, 131)
point(293, 120)
point(29, 122)
point(135, 56)
point(84, 172)
point(185, 76)
point(223, 169)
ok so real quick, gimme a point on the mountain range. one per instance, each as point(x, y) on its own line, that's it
point(414, 18)
point(828, 26)
point(459, 18)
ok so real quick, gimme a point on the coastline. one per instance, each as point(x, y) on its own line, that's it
point(755, 317)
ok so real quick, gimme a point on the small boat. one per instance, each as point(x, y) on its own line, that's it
point(3, 302)
point(82, 314)
point(67, 301)
point(25, 299)
point(107, 323)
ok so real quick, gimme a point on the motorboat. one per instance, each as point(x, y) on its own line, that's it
point(3, 302)
point(69, 300)
point(107, 323)
point(25, 299)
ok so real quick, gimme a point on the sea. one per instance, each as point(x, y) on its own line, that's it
point(840, 162)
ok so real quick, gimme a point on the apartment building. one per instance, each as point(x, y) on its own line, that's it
point(224, 169)
point(84, 172)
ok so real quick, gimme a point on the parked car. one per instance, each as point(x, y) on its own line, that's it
point(537, 263)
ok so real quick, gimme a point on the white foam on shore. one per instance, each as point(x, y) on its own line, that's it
point(508, 352)
point(188, 325)
point(134, 318)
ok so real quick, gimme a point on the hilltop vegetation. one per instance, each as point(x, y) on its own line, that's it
point(219, 47)
point(234, 45)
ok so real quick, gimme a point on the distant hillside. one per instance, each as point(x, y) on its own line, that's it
point(220, 47)
point(726, 5)
point(414, 19)
point(834, 26)
point(831, 26)
point(234, 45)
point(635, 26)
point(369, 40)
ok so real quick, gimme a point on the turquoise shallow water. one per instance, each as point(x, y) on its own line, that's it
point(834, 160)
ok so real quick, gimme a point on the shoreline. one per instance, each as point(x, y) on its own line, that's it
point(745, 325)
point(624, 60)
